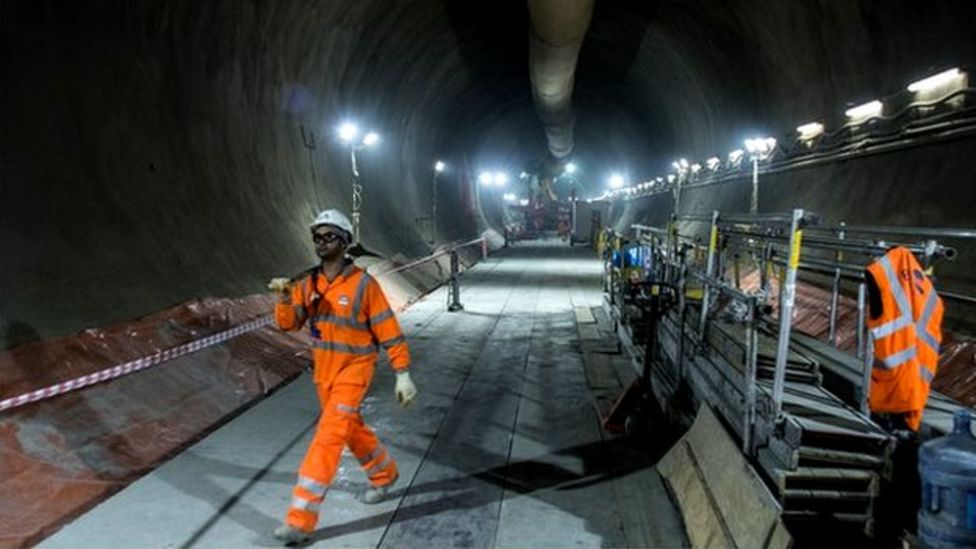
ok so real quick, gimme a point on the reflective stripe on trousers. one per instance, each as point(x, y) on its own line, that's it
point(380, 317)
point(316, 488)
point(340, 425)
point(303, 504)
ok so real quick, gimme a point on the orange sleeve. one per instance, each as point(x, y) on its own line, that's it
point(385, 328)
point(290, 312)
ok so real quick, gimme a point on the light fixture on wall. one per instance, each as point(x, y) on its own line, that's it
point(759, 148)
point(810, 130)
point(864, 111)
point(942, 79)
point(349, 134)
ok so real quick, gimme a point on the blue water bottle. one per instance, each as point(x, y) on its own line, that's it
point(948, 469)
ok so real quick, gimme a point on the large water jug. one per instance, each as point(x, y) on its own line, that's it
point(948, 469)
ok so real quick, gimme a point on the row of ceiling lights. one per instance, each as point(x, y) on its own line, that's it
point(759, 149)
point(762, 148)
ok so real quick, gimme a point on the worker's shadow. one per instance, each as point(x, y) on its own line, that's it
point(600, 461)
point(541, 478)
point(202, 485)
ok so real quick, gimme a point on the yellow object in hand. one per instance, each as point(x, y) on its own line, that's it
point(280, 285)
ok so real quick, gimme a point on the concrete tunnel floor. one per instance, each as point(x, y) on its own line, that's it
point(502, 449)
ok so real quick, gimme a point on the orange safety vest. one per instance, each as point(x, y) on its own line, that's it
point(906, 334)
point(348, 318)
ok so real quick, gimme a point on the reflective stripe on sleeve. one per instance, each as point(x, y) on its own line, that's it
point(376, 319)
point(343, 348)
point(391, 342)
point(923, 323)
point(312, 486)
point(299, 311)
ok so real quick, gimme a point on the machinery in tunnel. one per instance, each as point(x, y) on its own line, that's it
point(723, 310)
point(544, 203)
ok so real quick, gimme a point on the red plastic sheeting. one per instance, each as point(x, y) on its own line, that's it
point(811, 313)
point(955, 376)
point(37, 365)
point(61, 456)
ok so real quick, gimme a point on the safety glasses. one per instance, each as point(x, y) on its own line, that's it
point(319, 238)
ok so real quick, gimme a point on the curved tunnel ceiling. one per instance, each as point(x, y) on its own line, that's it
point(160, 151)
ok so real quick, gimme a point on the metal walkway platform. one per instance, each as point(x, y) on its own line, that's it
point(826, 461)
point(503, 448)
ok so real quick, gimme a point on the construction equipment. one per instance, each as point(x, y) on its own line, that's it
point(797, 404)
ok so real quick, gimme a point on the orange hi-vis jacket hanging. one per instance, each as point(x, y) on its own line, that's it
point(348, 318)
point(906, 335)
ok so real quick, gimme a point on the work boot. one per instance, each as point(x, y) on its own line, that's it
point(376, 494)
point(290, 535)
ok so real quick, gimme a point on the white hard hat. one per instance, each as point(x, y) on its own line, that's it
point(334, 218)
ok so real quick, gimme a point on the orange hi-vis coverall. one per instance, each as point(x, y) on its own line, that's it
point(348, 318)
point(907, 332)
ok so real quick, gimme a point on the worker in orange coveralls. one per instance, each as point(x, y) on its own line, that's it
point(348, 317)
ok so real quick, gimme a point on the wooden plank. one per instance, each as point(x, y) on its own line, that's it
point(704, 526)
point(590, 332)
point(600, 371)
point(584, 315)
point(649, 515)
point(722, 498)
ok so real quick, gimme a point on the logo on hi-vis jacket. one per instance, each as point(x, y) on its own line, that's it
point(343, 300)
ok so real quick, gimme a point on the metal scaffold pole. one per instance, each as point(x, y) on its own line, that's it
point(787, 297)
point(835, 296)
point(709, 271)
point(752, 358)
point(455, 303)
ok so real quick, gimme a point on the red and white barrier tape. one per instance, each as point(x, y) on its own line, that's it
point(134, 365)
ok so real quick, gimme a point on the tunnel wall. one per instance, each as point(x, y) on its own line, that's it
point(157, 151)
point(711, 74)
point(154, 152)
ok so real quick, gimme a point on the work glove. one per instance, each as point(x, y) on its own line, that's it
point(405, 389)
point(280, 285)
